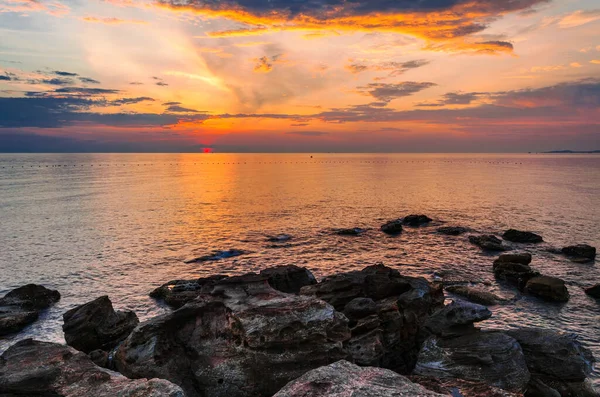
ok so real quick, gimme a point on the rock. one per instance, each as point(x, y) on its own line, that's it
point(580, 253)
point(21, 306)
point(452, 230)
point(475, 294)
point(217, 255)
point(243, 338)
point(556, 360)
point(343, 379)
point(455, 316)
point(95, 325)
point(548, 288)
point(100, 358)
point(594, 291)
point(462, 388)
point(32, 368)
point(490, 357)
point(280, 238)
point(391, 337)
point(289, 279)
point(522, 258)
point(488, 242)
point(416, 220)
point(517, 236)
point(515, 273)
point(392, 227)
point(350, 232)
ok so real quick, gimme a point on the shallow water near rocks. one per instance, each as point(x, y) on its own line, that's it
point(122, 224)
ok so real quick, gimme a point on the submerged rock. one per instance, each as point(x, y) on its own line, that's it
point(217, 255)
point(517, 236)
point(522, 258)
point(476, 295)
point(452, 230)
point(594, 291)
point(243, 338)
point(453, 318)
point(548, 288)
point(280, 238)
point(392, 227)
point(416, 220)
point(580, 253)
point(513, 272)
point(491, 357)
point(97, 326)
point(357, 231)
point(32, 368)
point(21, 306)
point(343, 379)
point(488, 242)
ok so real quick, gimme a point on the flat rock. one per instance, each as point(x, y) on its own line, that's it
point(488, 242)
point(96, 325)
point(21, 306)
point(490, 357)
point(548, 288)
point(32, 368)
point(452, 230)
point(523, 258)
point(343, 379)
point(580, 253)
point(593, 291)
point(518, 236)
point(476, 295)
point(416, 220)
point(456, 315)
point(392, 227)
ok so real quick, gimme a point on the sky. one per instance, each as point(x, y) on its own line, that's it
point(299, 75)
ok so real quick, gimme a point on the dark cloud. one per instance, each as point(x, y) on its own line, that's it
point(307, 133)
point(395, 68)
point(171, 103)
point(5, 78)
point(87, 80)
point(388, 92)
point(454, 98)
point(65, 74)
point(136, 83)
point(55, 81)
point(180, 109)
point(162, 84)
point(131, 101)
point(86, 91)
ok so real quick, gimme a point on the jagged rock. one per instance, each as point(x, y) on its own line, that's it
point(217, 255)
point(557, 360)
point(456, 316)
point(523, 258)
point(343, 379)
point(289, 279)
point(32, 368)
point(594, 291)
point(462, 388)
point(515, 273)
point(476, 295)
point(357, 231)
point(391, 337)
point(580, 253)
point(548, 288)
point(96, 325)
point(488, 242)
point(490, 357)
point(392, 227)
point(21, 306)
point(244, 338)
point(416, 220)
point(517, 236)
point(452, 230)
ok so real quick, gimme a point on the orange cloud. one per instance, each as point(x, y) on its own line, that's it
point(112, 21)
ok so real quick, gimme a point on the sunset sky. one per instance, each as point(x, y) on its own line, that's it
point(312, 75)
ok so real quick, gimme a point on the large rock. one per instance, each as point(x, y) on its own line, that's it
point(523, 258)
point(387, 312)
point(21, 306)
point(548, 288)
point(456, 318)
point(289, 279)
point(518, 236)
point(514, 272)
point(343, 379)
point(392, 227)
point(243, 338)
point(416, 220)
point(452, 230)
point(580, 253)
point(490, 357)
point(32, 368)
point(593, 291)
point(488, 242)
point(556, 360)
point(476, 295)
point(96, 325)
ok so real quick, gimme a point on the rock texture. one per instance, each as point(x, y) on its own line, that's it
point(476, 295)
point(580, 253)
point(452, 230)
point(289, 279)
point(456, 318)
point(343, 379)
point(518, 236)
point(32, 368)
point(96, 325)
point(243, 338)
point(392, 227)
point(548, 288)
point(386, 312)
point(488, 242)
point(416, 220)
point(462, 388)
point(515, 269)
point(21, 306)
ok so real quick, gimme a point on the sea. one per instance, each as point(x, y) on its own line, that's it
point(122, 224)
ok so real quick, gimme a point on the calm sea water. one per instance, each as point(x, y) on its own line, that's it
point(122, 224)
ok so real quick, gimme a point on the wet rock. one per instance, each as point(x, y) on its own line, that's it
point(556, 360)
point(217, 255)
point(289, 279)
point(177, 293)
point(452, 230)
point(349, 232)
point(100, 357)
point(32, 368)
point(390, 337)
point(462, 388)
point(455, 316)
point(514, 273)
point(96, 325)
point(244, 338)
point(344, 379)
point(594, 291)
point(580, 253)
point(490, 357)
point(21, 306)
point(416, 220)
point(518, 236)
point(280, 238)
point(392, 227)
point(522, 258)
point(548, 288)
point(476, 295)
point(488, 242)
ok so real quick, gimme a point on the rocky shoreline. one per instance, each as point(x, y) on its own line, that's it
point(281, 332)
